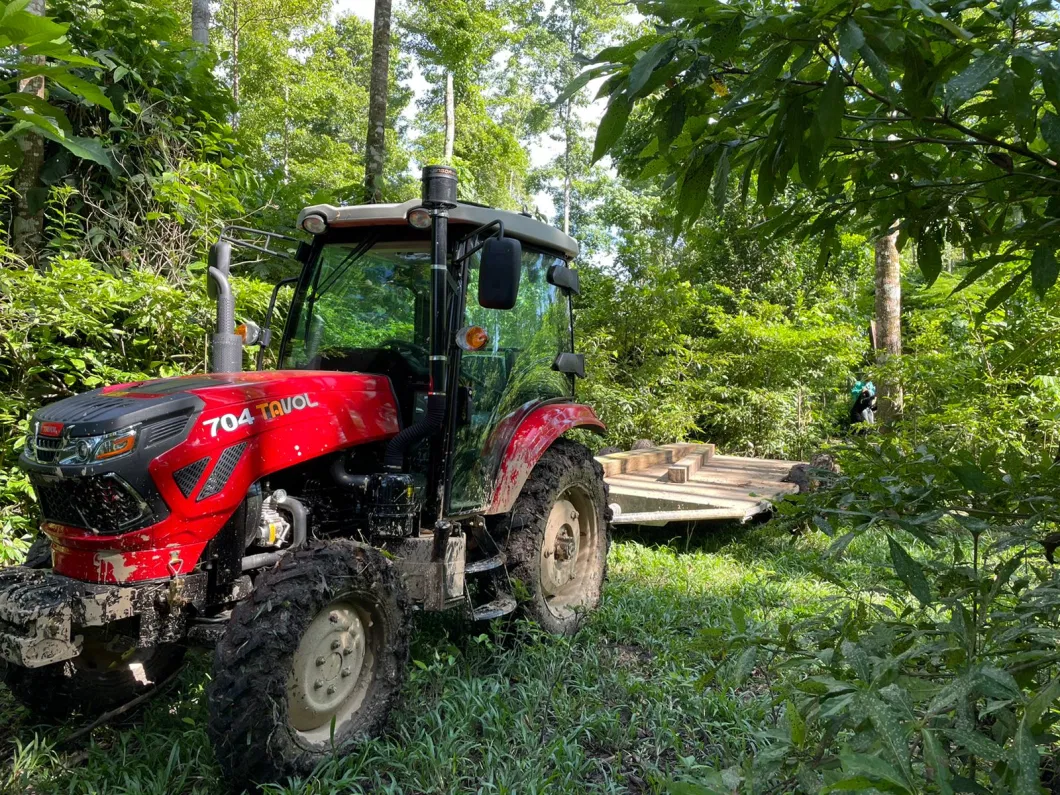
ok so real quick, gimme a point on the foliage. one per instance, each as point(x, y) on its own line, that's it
point(36, 48)
point(942, 114)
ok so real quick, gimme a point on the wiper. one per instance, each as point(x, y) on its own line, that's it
point(354, 255)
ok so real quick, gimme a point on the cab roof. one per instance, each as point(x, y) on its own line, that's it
point(523, 228)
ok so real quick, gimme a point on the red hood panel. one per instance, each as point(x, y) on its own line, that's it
point(252, 425)
point(222, 389)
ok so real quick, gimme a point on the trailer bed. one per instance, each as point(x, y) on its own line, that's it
point(688, 483)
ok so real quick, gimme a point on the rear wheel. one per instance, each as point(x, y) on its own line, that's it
point(310, 665)
point(557, 538)
point(109, 672)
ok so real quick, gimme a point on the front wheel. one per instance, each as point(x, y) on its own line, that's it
point(557, 538)
point(310, 664)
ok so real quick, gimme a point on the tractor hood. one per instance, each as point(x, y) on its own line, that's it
point(163, 407)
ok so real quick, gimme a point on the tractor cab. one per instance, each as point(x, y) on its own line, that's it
point(364, 303)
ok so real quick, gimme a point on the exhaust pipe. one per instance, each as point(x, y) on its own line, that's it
point(226, 346)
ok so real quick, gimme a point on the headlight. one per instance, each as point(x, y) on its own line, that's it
point(90, 449)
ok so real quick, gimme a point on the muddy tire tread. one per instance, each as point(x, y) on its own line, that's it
point(521, 531)
point(247, 695)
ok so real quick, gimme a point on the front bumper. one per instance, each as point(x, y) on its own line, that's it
point(41, 613)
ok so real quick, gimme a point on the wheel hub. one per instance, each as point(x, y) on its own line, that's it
point(331, 667)
point(559, 552)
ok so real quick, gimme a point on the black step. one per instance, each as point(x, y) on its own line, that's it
point(487, 564)
point(501, 606)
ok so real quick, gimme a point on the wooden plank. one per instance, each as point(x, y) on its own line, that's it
point(685, 468)
point(637, 460)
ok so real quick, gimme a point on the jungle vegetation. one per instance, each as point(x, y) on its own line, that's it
point(777, 200)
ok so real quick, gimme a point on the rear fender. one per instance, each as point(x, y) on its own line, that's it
point(535, 434)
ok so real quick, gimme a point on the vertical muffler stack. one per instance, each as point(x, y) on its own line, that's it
point(226, 347)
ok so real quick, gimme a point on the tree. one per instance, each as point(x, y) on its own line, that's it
point(28, 223)
point(462, 118)
point(568, 32)
point(200, 22)
point(943, 113)
point(888, 320)
point(375, 144)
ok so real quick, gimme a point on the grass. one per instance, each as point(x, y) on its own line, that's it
point(644, 696)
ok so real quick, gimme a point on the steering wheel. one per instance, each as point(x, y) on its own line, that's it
point(411, 352)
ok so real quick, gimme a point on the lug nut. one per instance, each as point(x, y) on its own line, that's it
point(347, 652)
point(319, 683)
point(331, 690)
point(346, 672)
point(320, 661)
point(573, 515)
point(334, 617)
point(335, 645)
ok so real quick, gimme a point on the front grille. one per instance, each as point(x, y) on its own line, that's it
point(222, 470)
point(105, 504)
point(47, 448)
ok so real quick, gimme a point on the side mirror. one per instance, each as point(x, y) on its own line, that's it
point(499, 273)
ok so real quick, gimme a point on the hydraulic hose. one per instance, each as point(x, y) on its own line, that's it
point(394, 459)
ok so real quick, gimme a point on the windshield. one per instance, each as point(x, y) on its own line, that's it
point(366, 296)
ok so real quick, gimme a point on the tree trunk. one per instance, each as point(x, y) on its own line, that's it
point(566, 169)
point(450, 118)
point(286, 131)
point(375, 145)
point(27, 227)
point(888, 322)
point(200, 22)
point(235, 57)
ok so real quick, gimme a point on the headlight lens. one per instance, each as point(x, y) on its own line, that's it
point(91, 449)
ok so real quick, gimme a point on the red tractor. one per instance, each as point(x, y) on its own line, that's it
point(408, 456)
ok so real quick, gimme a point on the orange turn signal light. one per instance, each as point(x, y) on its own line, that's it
point(118, 446)
point(472, 338)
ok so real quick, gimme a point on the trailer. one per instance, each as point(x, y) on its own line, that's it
point(689, 482)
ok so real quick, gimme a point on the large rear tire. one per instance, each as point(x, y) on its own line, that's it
point(557, 537)
point(310, 665)
point(109, 672)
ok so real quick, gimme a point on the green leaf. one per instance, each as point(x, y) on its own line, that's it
point(724, 41)
point(971, 477)
point(909, 572)
point(572, 88)
point(851, 39)
point(880, 773)
point(1027, 762)
point(611, 126)
point(1044, 269)
point(89, 91)
point(1003, 294)
point(85, 148)
point(929, 255)
point(936, 762)
point(890, 733)
point(796, 724)
point(979, 269)
point(976, 76)
point(1050, 126)
point(1042, 700)
point(647, 63)
point(829, 119)
point(721, 181)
